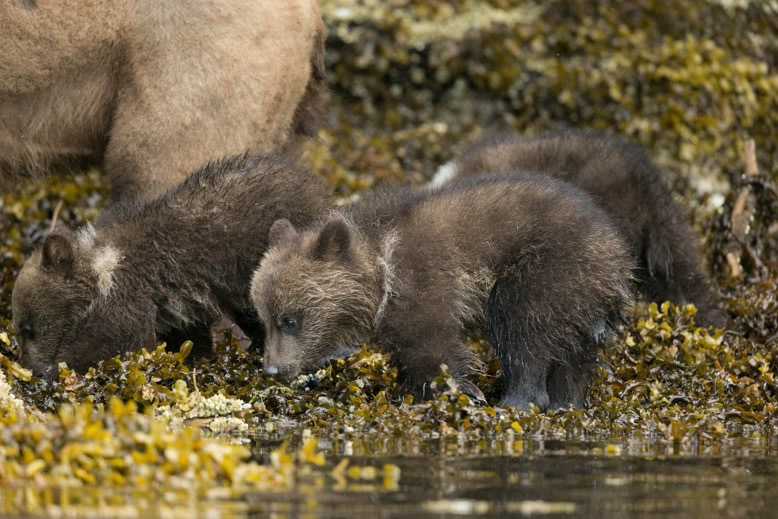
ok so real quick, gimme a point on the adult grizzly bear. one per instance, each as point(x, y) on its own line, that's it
point(151, 90)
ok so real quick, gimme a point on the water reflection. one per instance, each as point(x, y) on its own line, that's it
point(401, 477)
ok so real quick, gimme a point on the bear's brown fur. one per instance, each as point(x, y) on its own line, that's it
point(162, 270)
point(412, 269)
point(626, 184)
point(152, 90)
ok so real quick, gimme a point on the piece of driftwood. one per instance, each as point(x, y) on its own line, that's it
point(55, 216)
point(742, 215)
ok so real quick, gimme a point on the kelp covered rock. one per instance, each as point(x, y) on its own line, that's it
point(11, 407)
point(665, 370)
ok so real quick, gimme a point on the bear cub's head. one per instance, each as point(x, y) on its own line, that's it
point(317, 292)
point(53, 295)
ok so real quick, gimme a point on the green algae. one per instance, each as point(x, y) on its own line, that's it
point(411, 83)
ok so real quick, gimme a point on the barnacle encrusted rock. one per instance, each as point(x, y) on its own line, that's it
point(9, 403)
point(214, 414)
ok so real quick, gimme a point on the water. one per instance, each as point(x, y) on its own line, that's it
point(554, 485)
point(403, 478)
point(551, 478)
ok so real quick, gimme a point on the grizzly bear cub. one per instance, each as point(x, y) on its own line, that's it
point(411, 269)
point(625, 183)
point(163, 270)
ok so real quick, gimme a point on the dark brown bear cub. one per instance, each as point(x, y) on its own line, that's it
point(412, 269)
point(161, 270)
point(625, 183)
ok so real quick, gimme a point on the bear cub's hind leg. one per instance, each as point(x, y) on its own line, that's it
point(545, 357)
point(567, 384)
point(517, 340)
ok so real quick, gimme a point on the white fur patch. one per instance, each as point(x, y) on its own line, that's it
point(104, 263)
point(473, 290)
point(384, 261)
point(178, 310)
point(86, 236)
point(444, 173)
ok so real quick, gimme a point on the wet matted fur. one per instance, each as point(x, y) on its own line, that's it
point(160, 270)
point(151, 90)
point(624, 181)
point(412, 269)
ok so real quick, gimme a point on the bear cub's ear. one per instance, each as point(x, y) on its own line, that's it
point(333, 241)
point(281, 230)
point(58, 253)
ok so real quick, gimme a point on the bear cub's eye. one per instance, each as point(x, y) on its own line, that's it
point(26, 331)
point(290, 323)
